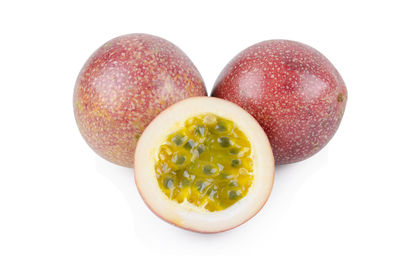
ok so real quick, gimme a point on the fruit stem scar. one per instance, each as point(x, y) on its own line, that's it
point(340, 97)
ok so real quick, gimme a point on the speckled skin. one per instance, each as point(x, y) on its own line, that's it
point(292, 90)
point(124, 85)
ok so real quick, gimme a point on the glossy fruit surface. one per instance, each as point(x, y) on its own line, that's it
point(292, 90)
point(125, 84)
point(204, 164)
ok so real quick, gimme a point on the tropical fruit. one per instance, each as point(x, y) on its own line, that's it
point(292, 90)
point(204, 164)
point(125, 84)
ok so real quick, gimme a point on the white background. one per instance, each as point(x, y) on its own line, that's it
point(62, 205)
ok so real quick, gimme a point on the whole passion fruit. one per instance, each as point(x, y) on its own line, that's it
point(125, 84)
point(204, 164)
point(292, 90)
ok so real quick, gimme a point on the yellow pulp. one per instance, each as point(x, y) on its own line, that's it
point(208, 163)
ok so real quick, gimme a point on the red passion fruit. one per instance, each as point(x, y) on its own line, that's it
point(125, 84)
point(292, 90)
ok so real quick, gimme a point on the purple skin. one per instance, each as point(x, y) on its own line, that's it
point(292, 90)
point(124, 85)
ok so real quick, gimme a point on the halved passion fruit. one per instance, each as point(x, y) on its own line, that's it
point(204, 164)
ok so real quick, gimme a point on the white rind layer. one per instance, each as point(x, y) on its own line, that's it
point(187, 215)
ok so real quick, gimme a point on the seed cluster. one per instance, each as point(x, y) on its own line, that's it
point(208, 163)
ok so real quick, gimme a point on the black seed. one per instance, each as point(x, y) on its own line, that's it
point(168, 183)
point(233, 183)
point(200, 185)
point(236, 163)
point(208, 169)
point(186, 182)
point(233, 194)
point(189, 145)
point(201, 149)
point(221, 127)
point(226, 175)
point(211, 193)
point(179, 159)
point(224, 141)
point(177, 139)
point(234, 151)
point(200, 130)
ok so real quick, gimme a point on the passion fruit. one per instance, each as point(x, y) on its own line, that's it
point(292, 90)
point(125, 84)
point(204, 164)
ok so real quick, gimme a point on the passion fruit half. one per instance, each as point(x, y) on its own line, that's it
point(204, 164)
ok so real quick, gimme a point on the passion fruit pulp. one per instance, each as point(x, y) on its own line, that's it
point(208, 162)
point(204, 164)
